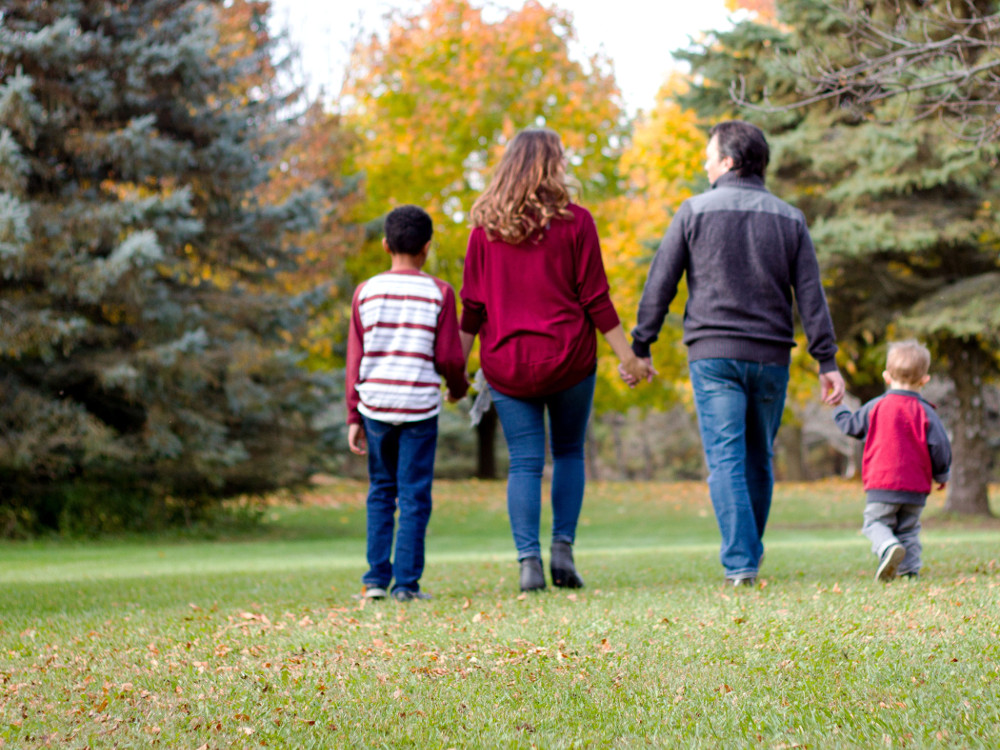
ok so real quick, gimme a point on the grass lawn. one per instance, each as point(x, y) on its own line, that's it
point(255, 640)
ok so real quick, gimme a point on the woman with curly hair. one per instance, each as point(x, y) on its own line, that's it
point(534, 291)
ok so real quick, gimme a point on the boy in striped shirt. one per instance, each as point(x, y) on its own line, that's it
point(403, 337)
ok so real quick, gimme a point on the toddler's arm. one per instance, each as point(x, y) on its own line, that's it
point(855, 424)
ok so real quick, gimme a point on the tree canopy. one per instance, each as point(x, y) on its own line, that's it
point(903, 213)
point(940, 57)
point(436, 99)
point(145, 343)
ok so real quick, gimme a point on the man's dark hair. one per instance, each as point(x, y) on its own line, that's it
point(408, 229)
point(745, 144)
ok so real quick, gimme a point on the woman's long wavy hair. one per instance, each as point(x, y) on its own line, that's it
point(527, 191)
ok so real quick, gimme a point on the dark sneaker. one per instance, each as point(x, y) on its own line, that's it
point(742, 581)
point(409, 595)
point(562, 568)
point(891, 559)
point(532, 575)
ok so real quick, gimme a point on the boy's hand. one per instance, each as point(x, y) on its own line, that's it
point(942, 486)
point(356, 439)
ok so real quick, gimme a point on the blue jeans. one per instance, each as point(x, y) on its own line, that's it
point(400, 465)
point(739, 407)
point(523, 422)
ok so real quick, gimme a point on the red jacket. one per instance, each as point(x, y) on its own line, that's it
point(535, 306)
point(906, 446)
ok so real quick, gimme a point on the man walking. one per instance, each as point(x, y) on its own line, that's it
point(745, 254)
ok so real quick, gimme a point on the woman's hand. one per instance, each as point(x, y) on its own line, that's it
point(635, 369)
point(632, 368)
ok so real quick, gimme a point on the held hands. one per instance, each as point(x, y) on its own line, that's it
point(634, 370)
point(451, 398)
point(832, 387)
point(356, 439)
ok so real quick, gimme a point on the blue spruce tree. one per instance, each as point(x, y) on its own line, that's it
point(145, 346)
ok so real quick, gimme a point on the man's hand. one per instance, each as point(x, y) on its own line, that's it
point(637, 369)
point(832, 387)
point(356, 439)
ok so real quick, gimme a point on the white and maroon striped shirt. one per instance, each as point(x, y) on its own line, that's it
point(403, 337)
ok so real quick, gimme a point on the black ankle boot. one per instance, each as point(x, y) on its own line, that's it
point(532, 575)
point(562, 568)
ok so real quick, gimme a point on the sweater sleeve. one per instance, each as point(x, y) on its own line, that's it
point(938, 445)
point(812, 305)
point(473, 305)
point(592, 281)
point(448, 358)
point(854, 425)
point(665, 273)
point(355, 350)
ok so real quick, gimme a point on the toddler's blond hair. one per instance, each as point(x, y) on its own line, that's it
point(908, 362)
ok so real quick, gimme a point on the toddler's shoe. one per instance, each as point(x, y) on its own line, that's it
point(370, 592)
point(744, 581)
point(891, 559)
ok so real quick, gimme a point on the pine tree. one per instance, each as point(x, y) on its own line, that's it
point(145, 348)
point(903, 213)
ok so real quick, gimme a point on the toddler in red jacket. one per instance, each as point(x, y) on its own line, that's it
point(906, 451)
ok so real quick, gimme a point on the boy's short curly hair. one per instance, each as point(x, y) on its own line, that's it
point(908, 362)
point(408, 229)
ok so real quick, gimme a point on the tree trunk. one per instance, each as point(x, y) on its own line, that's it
point(969, 484)
point(790, 439)
point(647, 453)
point(616, 433)
point(486, 433)
point(590, 453)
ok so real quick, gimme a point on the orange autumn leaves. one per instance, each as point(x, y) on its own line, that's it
point(660, 168)
point(764, 10)
point(435, 99)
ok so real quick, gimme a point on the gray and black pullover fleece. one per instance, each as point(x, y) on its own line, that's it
point(745, 252)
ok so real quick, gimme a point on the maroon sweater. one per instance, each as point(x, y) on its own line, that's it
point(535, 306)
